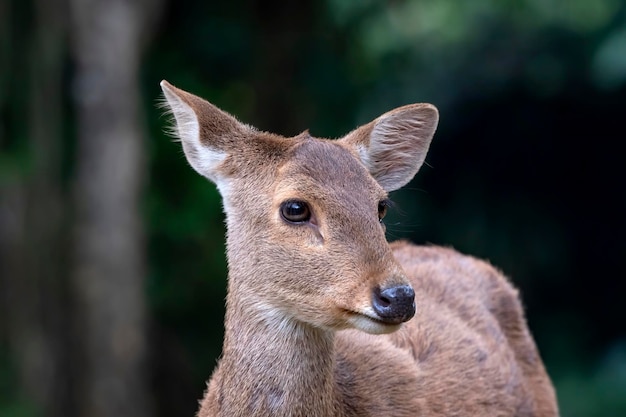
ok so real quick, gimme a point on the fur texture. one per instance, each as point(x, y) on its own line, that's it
point(301, 335)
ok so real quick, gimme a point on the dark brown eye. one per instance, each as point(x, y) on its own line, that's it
point(295, 211)
point(383, 205)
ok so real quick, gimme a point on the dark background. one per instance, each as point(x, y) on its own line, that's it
point(112, 269)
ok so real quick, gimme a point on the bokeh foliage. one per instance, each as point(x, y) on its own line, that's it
point(525, 169)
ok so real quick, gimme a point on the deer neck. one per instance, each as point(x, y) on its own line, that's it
point(272, 365)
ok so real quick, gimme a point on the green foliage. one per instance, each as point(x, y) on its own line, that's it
point(525, 168)
point(11, 403)
point(500, 72)
point(609, 64)
point(600, 392)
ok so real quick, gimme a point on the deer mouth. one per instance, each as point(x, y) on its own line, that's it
point(369, 323)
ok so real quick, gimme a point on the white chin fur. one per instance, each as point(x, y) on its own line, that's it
point(371, 326)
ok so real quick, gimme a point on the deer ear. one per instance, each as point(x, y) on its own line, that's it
point(208, 134)
point(393, 147)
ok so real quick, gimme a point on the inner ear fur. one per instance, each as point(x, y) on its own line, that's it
point(393, 146)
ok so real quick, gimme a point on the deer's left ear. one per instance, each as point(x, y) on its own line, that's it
point(393, 147)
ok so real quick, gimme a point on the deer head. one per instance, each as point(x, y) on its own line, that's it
point(305, 240)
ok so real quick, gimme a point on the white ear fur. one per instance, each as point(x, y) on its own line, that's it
point(393, 147)
point(204, 159)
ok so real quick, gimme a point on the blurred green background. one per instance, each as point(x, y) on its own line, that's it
point(112, 266)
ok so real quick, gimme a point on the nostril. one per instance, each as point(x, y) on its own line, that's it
point(400, 294)
point(384, 301)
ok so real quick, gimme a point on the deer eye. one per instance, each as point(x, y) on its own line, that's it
point(295, 211)
point(383, 205)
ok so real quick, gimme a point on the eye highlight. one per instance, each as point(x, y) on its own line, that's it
point(295, 211)
point(383, 205)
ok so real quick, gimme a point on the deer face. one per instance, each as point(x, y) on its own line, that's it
point(325, 225)
point(305, 238)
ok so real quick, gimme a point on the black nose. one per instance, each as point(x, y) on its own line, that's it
point(394, 305)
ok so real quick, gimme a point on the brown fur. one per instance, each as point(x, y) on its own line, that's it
point(301, 338)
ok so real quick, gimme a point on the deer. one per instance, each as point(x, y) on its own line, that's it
point(323, 316)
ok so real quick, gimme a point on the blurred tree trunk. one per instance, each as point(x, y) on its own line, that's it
point(31, 213)
point(109, 259)
point(283, 28)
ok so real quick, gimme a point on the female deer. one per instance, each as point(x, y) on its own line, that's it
point(321, 317)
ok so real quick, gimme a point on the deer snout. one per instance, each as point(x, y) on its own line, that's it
point(394, 305)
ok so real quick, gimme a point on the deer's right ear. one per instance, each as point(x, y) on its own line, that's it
point(206, 132)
